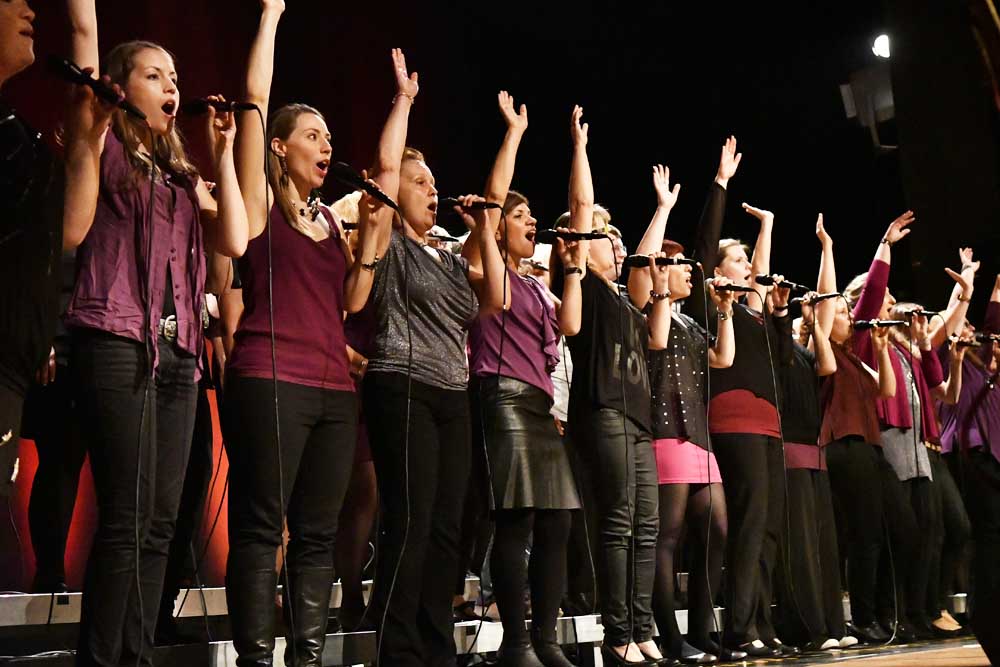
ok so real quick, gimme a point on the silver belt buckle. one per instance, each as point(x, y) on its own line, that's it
point(168, 327)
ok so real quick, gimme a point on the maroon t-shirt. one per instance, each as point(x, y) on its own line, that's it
point(308, 287)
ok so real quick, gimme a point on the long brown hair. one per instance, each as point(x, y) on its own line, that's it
point(280, 126)
point(168, 150)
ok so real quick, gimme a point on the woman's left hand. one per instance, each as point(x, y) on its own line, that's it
point(221, 129)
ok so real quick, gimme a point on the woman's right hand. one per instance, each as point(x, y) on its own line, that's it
point(729, 162)
point(515, 120)
point(89, 116)
point(898, 228)
point(406, 82)
point(880, 338)
point(572, 253)
point(824, 238)
point(578, 130)
point(665, 197)
point(273, 6)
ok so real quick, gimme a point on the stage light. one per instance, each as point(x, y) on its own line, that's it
point(880, 47)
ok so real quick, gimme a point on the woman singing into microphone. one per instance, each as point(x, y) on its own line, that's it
point(690, 487)
point(291, 407)
point(136, 321)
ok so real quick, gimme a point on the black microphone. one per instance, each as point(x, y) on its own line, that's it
point(642, 261)
point(201, 105)
point(346, 174)
point(968, 343)
point(69, 71)
point(787, 284)
point(984, 336)
point(919, 311)
point(872, 324)
point(550, 236)
point(731, 288)
point(816, 298)
point(475, 206)
point(443, 237)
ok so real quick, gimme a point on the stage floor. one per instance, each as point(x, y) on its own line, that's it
point(956, 653)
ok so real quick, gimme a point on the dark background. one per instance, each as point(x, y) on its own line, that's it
point(659, 82)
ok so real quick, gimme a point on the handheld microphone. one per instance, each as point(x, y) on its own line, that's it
point(787, 284)
point(816, 298)
point(872, 324)
point(919, 311)
point(349, 226)
point(968, 343)
point(550, 236)
point(731, 288)
point(201, 105)
point(69, 71)
point(346, 174)
point(642, 261)
point(443, 237)
point(985, 336)
point(449, 202)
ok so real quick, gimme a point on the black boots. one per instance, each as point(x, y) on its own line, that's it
point(250, 598)
point(309, 603)
point(547, 648)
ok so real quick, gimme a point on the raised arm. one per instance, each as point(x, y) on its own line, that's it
point(953, 317)
point(581, 183)
point(373, 218)
point(498, 183)
point(392, 142)
point(825, 311)
point(569, 309)
point(489, 282)
point(83, 24)
point(639, 281)
point(826, 362)
point(722, 354)
point(251, 147)
point(761, 262)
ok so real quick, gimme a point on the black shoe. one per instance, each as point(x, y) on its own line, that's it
point(517, 653)
point(784, 650)
point(758, 649)
point(689, 655)
point(610, 658)
point(904, 633)
point(309, 601)
point(250, 599)
point(547, 649)
point(709, 647)
point(870, 634)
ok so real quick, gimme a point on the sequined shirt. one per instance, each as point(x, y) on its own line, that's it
point(677, 376)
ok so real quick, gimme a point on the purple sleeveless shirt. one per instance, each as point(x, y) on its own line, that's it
point(308, 283)
point(530, 337)
point(111, 267)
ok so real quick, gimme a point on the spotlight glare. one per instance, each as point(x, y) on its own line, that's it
point(880, 47)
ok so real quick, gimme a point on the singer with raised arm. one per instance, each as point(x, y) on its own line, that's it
point(415, 394)
point(513, 354)
point(690, 486)
point(289, 363)
point(610, 420)
point(743, 420)
point(810, 602)
point(136, 312)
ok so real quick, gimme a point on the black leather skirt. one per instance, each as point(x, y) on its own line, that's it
point(529, 464)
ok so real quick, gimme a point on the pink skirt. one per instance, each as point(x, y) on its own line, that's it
point(683, 462)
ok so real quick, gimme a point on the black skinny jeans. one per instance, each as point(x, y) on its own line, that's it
point(623, 469)
point(136, 453)
point(753, 469)
point(318, 436)
point(856, 482)
point(422, 483)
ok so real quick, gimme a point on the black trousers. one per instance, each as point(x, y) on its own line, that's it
point(182, 561)
point(623, 470)
point(318, 436)
point(583, 549)
point(982, 497)
point(811, 605)
point(904, 562)
point(50, 420)
point(422, 481)
point(950, 545)
point(138, 435)
point(855, 480)
point(753, 469)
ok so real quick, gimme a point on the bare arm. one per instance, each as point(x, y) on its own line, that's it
point(250, 148)
point(83, 23)
point(827, 281)
point(724, 351)
point(826, 362)
point(761, 261)
point(581, 184)
point(224, 218)
point(639, 281)
point(953, 317)
point(658, 320)
point(886, 374)
point(569, 310)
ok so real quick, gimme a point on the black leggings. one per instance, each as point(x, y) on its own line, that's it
point(548, 531)
point(704, 508)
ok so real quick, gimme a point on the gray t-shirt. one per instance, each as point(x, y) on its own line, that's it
point(442, 305)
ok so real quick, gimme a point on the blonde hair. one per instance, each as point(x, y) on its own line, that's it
point(169, 149)
point(346, 208)
point(601, 219)
point(726, 244)
point(853, 290)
